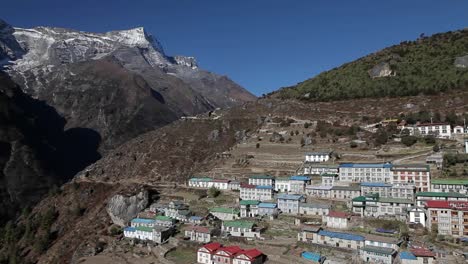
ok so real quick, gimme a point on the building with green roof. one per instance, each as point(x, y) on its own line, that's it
point(262, 180)
point(202, 182)
point(240, 228)
point(249, 208)
point(422, 197)
point(450, 185)
point(224, 213)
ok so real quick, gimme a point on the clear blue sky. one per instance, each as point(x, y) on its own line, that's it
point(261, 44)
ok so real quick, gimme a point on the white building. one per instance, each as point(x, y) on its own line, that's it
point(289, 203)
point(283, 184)
point(321, 156)
point(200, 182)
point(314, 209)
point(256, 192)
point(310, 168)
point(240, 229)
point(329, 179)
point(199, 233)
point(221, 184)
point(339, 220)
point(458, 130)
point(450, 185)
point(417, 215)
point(440, 130)
point(262, 180)
point(365, 172)
point(158, 234)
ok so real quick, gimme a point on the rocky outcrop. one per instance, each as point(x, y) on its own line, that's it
point(381, 70)
point(122, 209)
point(186, 61)
point(461, 62)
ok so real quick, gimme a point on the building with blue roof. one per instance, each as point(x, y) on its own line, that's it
point(269, 209)
point(387, 190)
point(335, 239)
point(300, 178)
point(312, 256)
point(407, 256)
point(289, 203)
point(365, 172)
point(136, 222)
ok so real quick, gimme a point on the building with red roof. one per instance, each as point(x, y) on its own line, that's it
point(215, 253)
point(335, 219)
point(451, 217)
point(423, 255)
point(250, 256)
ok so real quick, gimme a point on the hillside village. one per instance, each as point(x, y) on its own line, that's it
point(333, 209)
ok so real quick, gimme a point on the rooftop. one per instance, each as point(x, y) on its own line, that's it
point(321, 165)
point(199, 229)
point(319, 187)
point(206, 179)
point(142, 221)
point(300, 178)
point(365, 165)
point(376, 184)
point(212, 246)
point(395, 200)
point(144, 229)
point(240, 224)
point(457, 205)
point(224, 210)
point(311, 256)
point(379, 250)
point(422, 252)
point(407, 255)
point(411, 167)
point(251, 253)
point(231, 250)
point(290, 196)
point(321, 153)
point(261, 177)
point(264, 187)
point(441, 194)
point(267, 205)
point(432, 124)
point(346, 188)
point(163, 218)
point(451, 181)
point(249, 202)
point(385, 239)
point(315, 205)
point(341, 235)
point(338, 214)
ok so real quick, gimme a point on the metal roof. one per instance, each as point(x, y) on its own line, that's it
point(142, 221)
point(365, 165)
point(300, 178)
point(407, 255)
point(311, 256)
point(290, 196)
point(267, 205)
point(340, 235)
point(376, 184)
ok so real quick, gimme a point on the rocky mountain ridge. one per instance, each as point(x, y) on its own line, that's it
point(119, 83)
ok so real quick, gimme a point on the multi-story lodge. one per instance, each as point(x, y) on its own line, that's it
point(249, 208)
point(319, 156)
point(158, 234)
point(449, 185)
point(344, 193)
point(221, 184)
point(451, 217)
point(403, 191)
point(293, 184)
point(256, 192)
point(440, 130)
point(316, 235)
point(365, 172)
point(379, 249)
point(417, 174)
point(262, 180)
point(335, 219)
point(329, 179)
point(319, 168)
point(372, 205)
point(289, 203)
point(270, 209)
point(422, 197)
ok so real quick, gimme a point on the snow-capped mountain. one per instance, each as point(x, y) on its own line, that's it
point(85, 75)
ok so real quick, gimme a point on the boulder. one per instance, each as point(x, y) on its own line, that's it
point(122, 209)
point(381, 70)
point(461, 62)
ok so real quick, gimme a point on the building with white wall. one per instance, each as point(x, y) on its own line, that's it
point(319, 156)
point(365, 172)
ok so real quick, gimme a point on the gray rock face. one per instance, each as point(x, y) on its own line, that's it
point(381, 70)
point(461, 62)
point(122, 209)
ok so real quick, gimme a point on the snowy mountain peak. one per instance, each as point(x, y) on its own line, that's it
point(135, 37)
